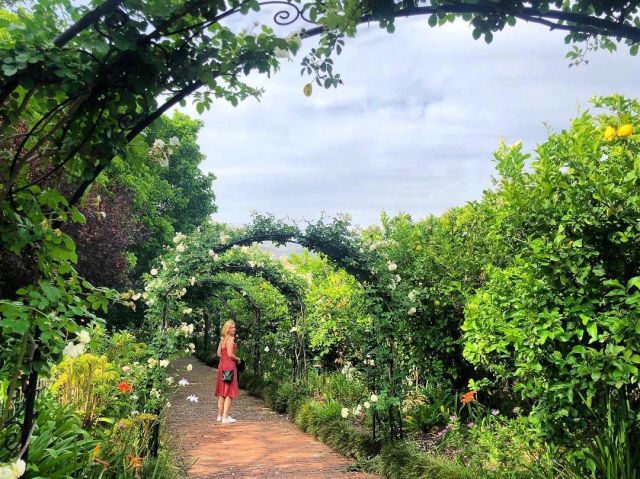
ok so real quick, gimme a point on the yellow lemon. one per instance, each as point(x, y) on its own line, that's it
point(625, 130)
point(610, 133)
point(307, 90)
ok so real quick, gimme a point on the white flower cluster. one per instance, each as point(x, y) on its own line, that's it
point(213, 255)
point(73, 349)
point(224, 238)
point(187, 311)
point(161, 151)
point(13, 471)
point(179, 238)
point(163, 363)
point(186, 329)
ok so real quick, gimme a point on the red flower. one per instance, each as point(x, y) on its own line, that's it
point(468, 397)
point(125, 387)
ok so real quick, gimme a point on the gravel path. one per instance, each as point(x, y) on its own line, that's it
point(262, 444)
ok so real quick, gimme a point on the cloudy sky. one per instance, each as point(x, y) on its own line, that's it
point(411, 130)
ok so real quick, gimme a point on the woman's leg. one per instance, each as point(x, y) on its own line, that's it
point(227, 406)
point(220, 405)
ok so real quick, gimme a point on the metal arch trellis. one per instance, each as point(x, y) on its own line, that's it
point(242, 292)
point(292, 294)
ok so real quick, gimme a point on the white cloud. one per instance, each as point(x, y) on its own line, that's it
point(413, 128)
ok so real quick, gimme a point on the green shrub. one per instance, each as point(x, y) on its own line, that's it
point(401, 460)
point(60, 447)
point(87, 382)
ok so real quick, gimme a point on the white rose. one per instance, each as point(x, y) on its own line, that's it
point(181, 248)
point(412, 311)
point(179, 238)
point(266, 349)
point(345, 412)
point(367, 404)
point(164, 363)
point(189, 367)
point(192, 280)
point(391, 266)
point(374, 398)
point(73, 350)
point(154, 272)
point(19, 467)
point(83, 337)
point(6, 472)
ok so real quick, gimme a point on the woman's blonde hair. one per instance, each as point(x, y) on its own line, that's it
point(226, 328)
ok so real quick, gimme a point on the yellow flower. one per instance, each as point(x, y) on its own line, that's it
point(610, 133)
point(625, 131)
point(307, 90)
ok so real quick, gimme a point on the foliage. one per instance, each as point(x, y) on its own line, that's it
point(61, 446)
point(336, 315)
point(87, 382)
point(401, 460)
point(560, 321)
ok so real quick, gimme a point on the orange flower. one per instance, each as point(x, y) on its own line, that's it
point(135, 462)
point(468, 397)
point(125, 387)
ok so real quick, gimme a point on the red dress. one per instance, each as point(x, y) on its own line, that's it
point(226, 363)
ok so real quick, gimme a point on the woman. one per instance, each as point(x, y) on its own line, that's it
point(227, 391)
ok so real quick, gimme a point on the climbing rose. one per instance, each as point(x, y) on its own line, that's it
point(181, 248)
point(83, 337)
point(345, 412)
point(179, 238)
point(367, 404)
point(73, 350)
point(164, 363)
point(189, 367)
point(154, 272)
point(374, 398)
point(392, 266)
point(411, 311)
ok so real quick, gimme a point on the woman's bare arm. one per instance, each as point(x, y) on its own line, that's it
point(229, 345)
point(219, 352)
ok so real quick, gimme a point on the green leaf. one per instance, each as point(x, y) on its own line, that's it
point(592, 329)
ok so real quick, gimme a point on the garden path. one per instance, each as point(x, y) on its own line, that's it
point(262, 444)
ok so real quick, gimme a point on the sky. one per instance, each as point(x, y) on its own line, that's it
point(413, 128)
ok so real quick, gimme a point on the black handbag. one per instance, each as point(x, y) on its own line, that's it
point(227, 376)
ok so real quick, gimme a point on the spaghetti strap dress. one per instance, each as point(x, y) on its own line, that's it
point(226, 363)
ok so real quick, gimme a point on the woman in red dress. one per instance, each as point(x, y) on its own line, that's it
point(227, 391)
